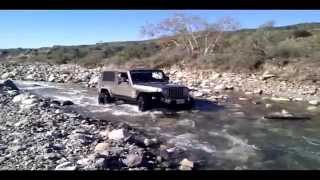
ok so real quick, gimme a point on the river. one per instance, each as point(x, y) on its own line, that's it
point(230, 135)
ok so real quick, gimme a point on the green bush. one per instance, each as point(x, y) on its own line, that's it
point(301, 33)
point(291, 48)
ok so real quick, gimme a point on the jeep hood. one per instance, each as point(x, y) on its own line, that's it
point(154, 86)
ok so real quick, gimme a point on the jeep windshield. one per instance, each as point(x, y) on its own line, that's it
point(141, 76)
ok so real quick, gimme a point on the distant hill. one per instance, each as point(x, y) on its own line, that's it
point(243, 50)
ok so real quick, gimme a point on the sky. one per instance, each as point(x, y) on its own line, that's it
point(45, 28)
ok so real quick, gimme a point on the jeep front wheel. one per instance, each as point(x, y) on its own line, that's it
point(143, 103)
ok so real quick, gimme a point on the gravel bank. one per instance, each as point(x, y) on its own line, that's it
point(42, 134)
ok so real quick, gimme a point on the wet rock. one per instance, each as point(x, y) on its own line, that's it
point(52, 156)
point(258, 91)
point(229, 87)
point(198, 94)
point(220, 87)
point(93, 81)
point(268, 105)
point(58, 146)
point(29, 101)
point(84, 162)
point(267, 75)
point(314, 102)
point(243, 99)
point(51, 78)
point(101, 147)
point(285, 115)
point(67, 103)
point(19, 98)
point(66, 166)
point(186, 164)
point(105, 133)
point(133, 160)
point(312, 108)
point(150, 142)
point(29, 77)
point(298, 99)
point(6, 75)
point(186, 122)
point(117, 134)
point(100, 163)
point(216, 76)
point(280, 99)
point(11, 85)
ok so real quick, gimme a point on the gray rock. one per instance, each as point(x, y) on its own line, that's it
point(117, 134)
point(67, 103)
point(101, 147)
point(266, 75)
point(11, 85)
point(66, 166)
point(314, 102)
point(186, 164)
point(51, 78)
point(52, 156)
point(133, 160)
point(100, 163)
point(6, 75)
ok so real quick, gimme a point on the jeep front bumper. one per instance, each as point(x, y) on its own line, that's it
point(176, 101)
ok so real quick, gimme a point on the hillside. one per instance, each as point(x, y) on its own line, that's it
point(292, 51)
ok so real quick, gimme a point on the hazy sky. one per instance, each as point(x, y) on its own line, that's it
point(32, 29)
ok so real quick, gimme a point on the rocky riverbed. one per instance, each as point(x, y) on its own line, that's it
point(204, 83)
point(43, 134)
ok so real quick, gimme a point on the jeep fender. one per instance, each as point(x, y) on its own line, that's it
point(105, 90)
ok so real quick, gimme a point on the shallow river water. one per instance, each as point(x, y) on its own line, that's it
point(230, 135)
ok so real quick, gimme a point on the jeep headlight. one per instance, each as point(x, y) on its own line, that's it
point(185, 91)
point(165, 91)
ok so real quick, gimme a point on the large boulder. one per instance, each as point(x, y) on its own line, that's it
point(6, 75)
point(186, 164)
point(266, 75)
point(51, 78)
point(314, 102)
point(29, 77)
point(93, 81)
point(117, 134)
point(11, 85)
point(133, 160)
point(21, 97)
point(66, 166)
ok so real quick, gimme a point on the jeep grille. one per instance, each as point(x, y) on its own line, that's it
point(175, 92)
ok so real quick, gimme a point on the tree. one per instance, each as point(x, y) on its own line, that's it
point(261, 38)
point(192, 33)
point(267, 25)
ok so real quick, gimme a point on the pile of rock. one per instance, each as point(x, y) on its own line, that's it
point(40, 134)
point(51, 73)
point(208, 83)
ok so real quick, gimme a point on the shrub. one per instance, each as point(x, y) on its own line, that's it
point(301, 33)
point(290, 48)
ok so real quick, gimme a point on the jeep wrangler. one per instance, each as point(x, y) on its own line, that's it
point(145, 87)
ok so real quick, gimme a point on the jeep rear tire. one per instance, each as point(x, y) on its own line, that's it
point(104, 98)
point(144, 103)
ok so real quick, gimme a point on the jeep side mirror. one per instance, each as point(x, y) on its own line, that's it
point(166, 78)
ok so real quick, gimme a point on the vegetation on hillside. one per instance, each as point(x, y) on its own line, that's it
point(294, 51)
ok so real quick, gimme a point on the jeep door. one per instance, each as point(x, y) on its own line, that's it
point(123, 89)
